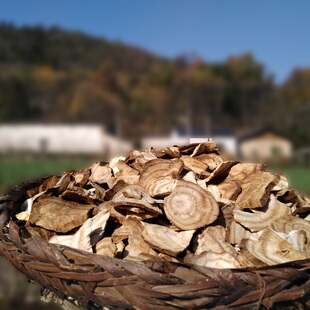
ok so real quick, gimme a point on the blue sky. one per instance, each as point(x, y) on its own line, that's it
point(277, 32)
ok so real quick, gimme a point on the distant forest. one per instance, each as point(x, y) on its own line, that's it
point(55, 76)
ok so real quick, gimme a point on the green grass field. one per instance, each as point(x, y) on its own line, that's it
point(298, 177)
point(16, 171)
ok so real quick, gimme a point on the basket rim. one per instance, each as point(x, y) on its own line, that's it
point(123, 284)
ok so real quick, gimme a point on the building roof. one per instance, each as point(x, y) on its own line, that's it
point(201, 132)
point(256, 132)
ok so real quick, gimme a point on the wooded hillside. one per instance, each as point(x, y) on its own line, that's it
point(54, 75)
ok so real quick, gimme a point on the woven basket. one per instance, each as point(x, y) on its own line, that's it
point(95, 281)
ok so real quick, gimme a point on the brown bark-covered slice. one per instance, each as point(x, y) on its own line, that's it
point(128, 179)
point(120, 168)
point(99, 190)
point(81, 177)
point(26, 207)
point(166, 240)
point(228, 215)
point(132, 156)
point(100, 174)
point(195, 149)
point(258, 220)
point(282, 183)
point(108, 206)
point(168, 152)
point(212, 239)
point(192, 164)
point(82, 238)
point(300, 203)
point(124, 231)
point(137, 160)
point(118, 186)
point(256, 190)
point(159, 175)
point(213, 189)
point(39, 232)
point(205, 147)
point(212, 160)
point(248, 260)
point(63, 183)
point(256, 184)
point(135, 199)
point(187, 149)
point(190, 207)
point(50, 182)
point(106, 247)
point(220, 169)
point(230, 189)
point(214, 260)
point(236, 233)
point(173, 152)
point(59, 215)
point(79, 195)
point(137, 248)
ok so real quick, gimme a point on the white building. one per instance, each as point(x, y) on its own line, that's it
point(225, 140)
point(60, 139)
point(160, 142)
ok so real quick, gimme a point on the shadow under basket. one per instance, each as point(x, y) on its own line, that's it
point(94, 281)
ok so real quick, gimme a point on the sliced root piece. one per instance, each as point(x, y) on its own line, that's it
point(59, 215)
point(230, 189)
point(282, 183)
point(160, 175)
point(247, 260)
point(192, 164)
point(82, 238)
point(212, 239)
point(190, 207)
point(205, 147)
point(212, 160)
point(166, 240)
point(120, 168)
point(137, 248)
point(100, 174)
point(256, 184)
point(106, 247)
point(272, 249)
point(258, 220)
point(137, 160)
point(286, 225)
point(190, 177)
point(236, 233)
point(220, 169)
point(214, 260)
point(135, 195)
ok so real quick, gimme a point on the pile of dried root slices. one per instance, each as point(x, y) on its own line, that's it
point(180, 204)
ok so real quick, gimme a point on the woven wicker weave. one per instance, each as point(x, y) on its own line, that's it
point(96, 281)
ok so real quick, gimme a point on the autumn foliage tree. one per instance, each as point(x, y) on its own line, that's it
point(53, 75)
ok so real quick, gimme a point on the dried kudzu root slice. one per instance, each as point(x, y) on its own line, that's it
point(190, 207)
point(160, 175)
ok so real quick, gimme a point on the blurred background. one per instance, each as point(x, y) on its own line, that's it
point(82, 81)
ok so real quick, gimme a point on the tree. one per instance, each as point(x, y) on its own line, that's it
point(14, 104)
